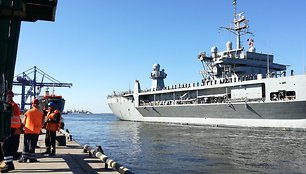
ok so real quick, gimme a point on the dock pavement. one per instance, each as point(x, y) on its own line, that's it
point(68, 159)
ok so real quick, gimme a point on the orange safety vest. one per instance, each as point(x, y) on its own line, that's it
point(50, 126)
point(15, 119)
point(33, 119)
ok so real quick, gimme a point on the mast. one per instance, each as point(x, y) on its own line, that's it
point(235, 19)
point(240, 26)
point(157, 77)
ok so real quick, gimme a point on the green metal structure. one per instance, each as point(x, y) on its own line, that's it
point(12, 12)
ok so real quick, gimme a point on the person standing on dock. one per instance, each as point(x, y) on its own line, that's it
point(15, 124)
point(33, 121)
point(11, 143)
point(53, 119)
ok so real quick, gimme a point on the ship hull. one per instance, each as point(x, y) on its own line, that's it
point(291, 114)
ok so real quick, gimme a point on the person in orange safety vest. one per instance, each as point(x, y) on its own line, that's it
point(15, 124)
point(33, 121)
point(11, 143)
point(53, 119)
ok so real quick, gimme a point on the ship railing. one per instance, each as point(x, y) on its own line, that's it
point(245, 100)
point(165, 102)
point(168, 102)
point(118, 94)
point(179, 86)
point(208, 82)
point(186, 101)
point(234, 79)
point(145, 90)
point(201, 100)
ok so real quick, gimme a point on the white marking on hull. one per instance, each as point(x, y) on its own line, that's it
point(296, 123)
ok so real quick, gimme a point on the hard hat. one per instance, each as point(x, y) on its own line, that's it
point(35, 101)
point(10, 93)
point(51, 104)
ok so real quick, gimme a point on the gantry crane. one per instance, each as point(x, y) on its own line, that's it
point(24, 80)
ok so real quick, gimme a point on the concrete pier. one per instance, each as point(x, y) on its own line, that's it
point(68, 159)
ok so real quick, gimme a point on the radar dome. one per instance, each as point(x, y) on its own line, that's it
point(202, 55)
point(229, 46)
point(214, 49)
point(252, 49)
point(156, 66)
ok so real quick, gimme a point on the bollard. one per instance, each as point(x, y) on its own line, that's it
point(66, 133)
point(99, 149)
point(85, 149)
point(61, 140)
point(108, 161)
point(70, 136)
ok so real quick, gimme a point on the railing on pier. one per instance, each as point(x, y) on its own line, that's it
point(66, 133)
point(98, 152)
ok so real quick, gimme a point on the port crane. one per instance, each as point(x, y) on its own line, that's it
point(24, 80)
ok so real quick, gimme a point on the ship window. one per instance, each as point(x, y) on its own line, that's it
point(282, 95)
point(290, 95)
point(263, 90)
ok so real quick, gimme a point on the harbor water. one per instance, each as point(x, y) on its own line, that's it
point(157, 148)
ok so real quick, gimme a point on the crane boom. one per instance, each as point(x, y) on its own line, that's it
point(24, 80)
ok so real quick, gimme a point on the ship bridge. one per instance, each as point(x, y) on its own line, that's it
point(237, 62)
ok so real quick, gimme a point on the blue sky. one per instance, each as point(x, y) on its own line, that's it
point(103, 46)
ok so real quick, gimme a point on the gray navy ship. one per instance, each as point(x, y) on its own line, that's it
point(239, 88)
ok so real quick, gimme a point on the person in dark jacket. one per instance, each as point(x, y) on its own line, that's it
point(10, 143)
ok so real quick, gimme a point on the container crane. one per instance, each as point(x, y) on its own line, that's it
point(24, 80)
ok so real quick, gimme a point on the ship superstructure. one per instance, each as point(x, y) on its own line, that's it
point(58, 100)
point(239, 88)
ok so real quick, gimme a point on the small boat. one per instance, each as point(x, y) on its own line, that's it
point(57, 99)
